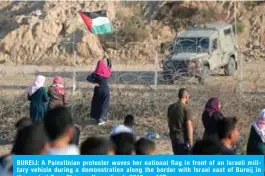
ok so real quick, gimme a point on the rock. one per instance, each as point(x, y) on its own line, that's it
point(256, 43)
point(249, 45)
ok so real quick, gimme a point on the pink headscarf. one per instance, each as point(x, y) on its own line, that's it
point(58, 84)
point(259, 125)
point(102, 69)
point(38, 83)
point(212, 106)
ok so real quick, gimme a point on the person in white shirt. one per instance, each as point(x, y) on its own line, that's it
point(60, 129)
point(126, 127)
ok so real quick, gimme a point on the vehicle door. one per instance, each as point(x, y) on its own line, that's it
point(215, 54)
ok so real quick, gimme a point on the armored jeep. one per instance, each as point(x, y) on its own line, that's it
point(200, 50)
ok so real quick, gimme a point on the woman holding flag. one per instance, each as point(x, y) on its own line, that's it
point(101, 98)
point(98, 23)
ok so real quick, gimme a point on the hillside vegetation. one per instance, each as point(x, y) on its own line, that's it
point(42, 32)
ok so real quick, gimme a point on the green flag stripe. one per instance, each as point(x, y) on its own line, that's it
point(102, 29)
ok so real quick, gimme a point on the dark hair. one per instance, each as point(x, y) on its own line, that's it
point(206, 147)
point(225, 126)
point(22, 123)
point(57, 121)
point(182, 92)
point(30, 140)
point(129, 120)
point(95, 146)
point(124, 143)
point(144, 146)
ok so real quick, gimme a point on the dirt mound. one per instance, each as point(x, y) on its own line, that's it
point(43, 32)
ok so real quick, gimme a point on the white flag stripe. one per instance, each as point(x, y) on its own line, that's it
point(100, 21)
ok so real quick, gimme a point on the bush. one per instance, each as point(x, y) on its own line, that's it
point(166, 46)
point(125, 35)
point(240, 27)
point(252, 4)
point(148, 105)
point(133, 28)
point(134, 34)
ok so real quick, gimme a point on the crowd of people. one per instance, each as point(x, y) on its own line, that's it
point(54, 135)
point(50, 130)
point(221, 134)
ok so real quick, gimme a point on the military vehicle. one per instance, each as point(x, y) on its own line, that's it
point(199, 50)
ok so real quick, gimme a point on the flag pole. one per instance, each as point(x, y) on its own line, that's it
point(74, 64)
point(155, 78)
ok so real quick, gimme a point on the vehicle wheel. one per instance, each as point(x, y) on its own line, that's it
point(204, 75)
point(230, 68)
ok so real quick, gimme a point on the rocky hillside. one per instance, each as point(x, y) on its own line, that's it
point(43, 32)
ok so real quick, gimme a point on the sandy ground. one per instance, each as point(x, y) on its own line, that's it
point(15, 79)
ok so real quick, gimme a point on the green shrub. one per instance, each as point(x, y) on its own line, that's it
point(133, 29)
point(252, 4)
point(134, 34)
point(240, 27)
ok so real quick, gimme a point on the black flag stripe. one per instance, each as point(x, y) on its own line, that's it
point(92, 15)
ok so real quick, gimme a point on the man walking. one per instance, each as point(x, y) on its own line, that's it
point(180, 124)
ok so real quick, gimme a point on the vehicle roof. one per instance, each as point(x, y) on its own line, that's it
point(219, 26)
point(197, 33)
point(207, 31)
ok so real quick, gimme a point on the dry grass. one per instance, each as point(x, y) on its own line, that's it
point(149, 107)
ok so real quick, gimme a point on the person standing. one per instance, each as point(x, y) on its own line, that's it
point(180, 124)
point(256, 140)
point(210, 117)
point(101, 98)
point(38, 98)
point(59, 98)
point(57, 94)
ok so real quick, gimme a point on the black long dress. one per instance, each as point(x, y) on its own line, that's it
point(101, 98)
point(210, 124)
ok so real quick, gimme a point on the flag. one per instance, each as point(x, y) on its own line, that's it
point(97, 22)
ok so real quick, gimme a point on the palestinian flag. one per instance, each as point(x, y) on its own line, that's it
point(97, 22)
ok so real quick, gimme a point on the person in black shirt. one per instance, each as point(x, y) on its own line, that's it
point(207, 146)
point(228, 134)
point(180, 124)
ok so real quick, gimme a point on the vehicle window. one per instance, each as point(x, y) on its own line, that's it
point(203, 43)
point(227, 31)
point(194, 45)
